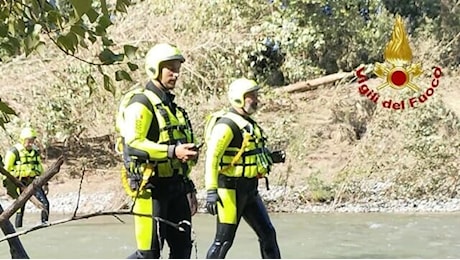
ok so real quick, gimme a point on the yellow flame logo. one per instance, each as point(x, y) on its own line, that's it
point(398, 49)
point(398, 56)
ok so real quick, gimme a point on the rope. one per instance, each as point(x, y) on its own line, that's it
point(145, 177)
point(159, 238)
point(235, 159)
point(179, 228)
point(135, 193)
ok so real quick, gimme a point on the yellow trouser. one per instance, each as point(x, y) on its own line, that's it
point(227, 213)
point(143, 226)
point(228, 187)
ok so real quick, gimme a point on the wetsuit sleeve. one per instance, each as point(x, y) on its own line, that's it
point(221, 136)
point(9, 160)
point(138, 119)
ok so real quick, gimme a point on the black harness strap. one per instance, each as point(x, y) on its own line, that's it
point(187, 122)
point(15, 151)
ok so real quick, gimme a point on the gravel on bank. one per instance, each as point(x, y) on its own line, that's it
point(277, 199)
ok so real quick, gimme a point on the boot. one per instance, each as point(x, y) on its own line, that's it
point(18, 222)
point(44, 217)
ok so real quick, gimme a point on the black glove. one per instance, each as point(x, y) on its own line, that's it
point(278, 156)
point(134, 181)
point(211, 202)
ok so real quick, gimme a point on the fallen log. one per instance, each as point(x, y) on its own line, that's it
point(21, 186)
point(314, 83)
point(30, 190)
point(17, 250)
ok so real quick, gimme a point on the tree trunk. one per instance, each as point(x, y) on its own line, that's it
point(314, 83)
point(17, 251)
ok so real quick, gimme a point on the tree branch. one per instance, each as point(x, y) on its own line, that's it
point(79, 192)
point(17, 250)
point(27, 193)
point(314, 83)
point(73, 55)
point(21, 186)
point(95, 214)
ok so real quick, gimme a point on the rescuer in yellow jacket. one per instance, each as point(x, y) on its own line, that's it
point(236, 158)
point(158, 152)
point(23, 162)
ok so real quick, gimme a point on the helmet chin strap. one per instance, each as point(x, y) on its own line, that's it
point(247, 112)
point(162, 85)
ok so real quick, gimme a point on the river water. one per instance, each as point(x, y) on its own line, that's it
point(339, 235)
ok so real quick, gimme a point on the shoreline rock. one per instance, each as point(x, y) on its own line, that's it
point(278, 200)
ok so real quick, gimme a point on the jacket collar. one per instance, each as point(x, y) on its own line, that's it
point(166, 97)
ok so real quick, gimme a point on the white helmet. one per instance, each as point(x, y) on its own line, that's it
point(158, 54)
point(238, 89)
point(27, 133)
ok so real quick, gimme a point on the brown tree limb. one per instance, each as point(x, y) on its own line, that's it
point(79, 191)
point(21, 186)
point(30, 190)
point(94, 214)
point(17, 250)
point(314, 83)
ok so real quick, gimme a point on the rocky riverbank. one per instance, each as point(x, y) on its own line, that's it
point(277, 199)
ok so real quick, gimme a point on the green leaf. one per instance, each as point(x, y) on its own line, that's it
point(130, 51)
point(132, 66)
point(15, 27)
point(92, 15)
point(68, 41)
point(9, 48)
point(122, 75)
point(105, 21)
point(121, 5)
point(3, 30)
point(6, 109)
point(32, 39)
point(108, 84)
point(81, 6)
point(105, 11)
point(83, 44)
point(5, 112)
point(108, 57)
point(91, 82)
point(54, 18)
point(78, 30)
point(40, 48)
point(91, 37)
point(4, 119)
point(107, 41)
point(99, 31)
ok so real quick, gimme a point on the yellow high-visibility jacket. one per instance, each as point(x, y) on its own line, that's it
point(22, 163)
point(153, 125)
point(255, 161)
